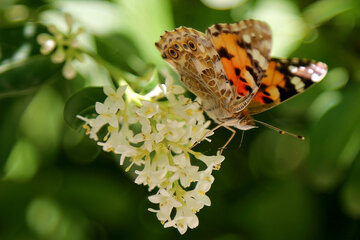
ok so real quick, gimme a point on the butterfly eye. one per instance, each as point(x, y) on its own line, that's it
point(191, 45)
point(176, 46)
point(173, 53)
point(185, 46)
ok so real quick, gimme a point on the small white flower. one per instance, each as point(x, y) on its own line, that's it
point(205, 180)
point(148, 109)
point(196, 200)
point(166, 203)
point(106, 115)
point(65, 46)
point(211, 161)
point(59, 56)
point(89, 125)
point(151, 176)
point(185, 175)
point(47, 43)
point(68, 70)
point(145, 135)
point(174, 130)
point(183, 219)
point(115, 98)
point(171, 88)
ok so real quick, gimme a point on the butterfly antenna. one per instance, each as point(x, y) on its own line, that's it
point(282, 132)
point(242, 138)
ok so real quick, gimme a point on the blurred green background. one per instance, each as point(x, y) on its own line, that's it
point(57, 184)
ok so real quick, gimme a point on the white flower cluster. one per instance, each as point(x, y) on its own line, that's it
point(157, 137)
point(66, 46)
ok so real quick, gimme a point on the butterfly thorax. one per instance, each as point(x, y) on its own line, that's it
point(241, 120)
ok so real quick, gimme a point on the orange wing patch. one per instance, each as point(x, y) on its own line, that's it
point(244, 50)
point(268, 92)
point(284, 79)
point(235, 62)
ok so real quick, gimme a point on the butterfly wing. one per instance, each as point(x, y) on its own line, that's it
point(244, 50)
point(196, 60)
point(284, 79)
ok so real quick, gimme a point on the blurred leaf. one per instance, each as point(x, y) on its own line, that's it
point(19, 78)
point(82, 103)
point(152, 82)
point(146, 21)
point(43, 215)
point(323, 10)
point(274, 158)
point(121, 52)
point(99, 17)
point(23, 162)
point(351, 190)
point(333, 146)
point(50, 221)
point(289, 206)
point(79, 147)
point(12, 110)
point(323, 103)
point(42, 121)
point(336, 78)
point(221, 4)
point(146, 82)
point(89, 189)
point(19, 41)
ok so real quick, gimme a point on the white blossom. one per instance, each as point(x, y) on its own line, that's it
point(63, 46)
point(148, 109)
point(115, 98)
point(166, 202)
point(158, 137)
point(183, 219)
point(106, 115)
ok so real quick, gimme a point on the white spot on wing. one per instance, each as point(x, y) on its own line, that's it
point(319, 72)
point(246, 38)
point(260, 58)
point(293, 69)
point(316, 77)
point(298, 83)
point(249, 76)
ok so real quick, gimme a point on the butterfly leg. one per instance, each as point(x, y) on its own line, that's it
point(229, 140)
point(211, 131)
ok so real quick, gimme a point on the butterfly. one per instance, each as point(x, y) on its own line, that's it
point(230, 69)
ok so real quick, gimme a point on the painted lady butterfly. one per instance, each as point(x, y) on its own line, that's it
point(230, 69)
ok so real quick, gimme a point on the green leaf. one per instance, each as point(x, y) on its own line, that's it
point(146, 82)
point(79, 147)
point(22, 77)
point(334, 143)
point(19, 41)
point(324, 10)
point(351, 193)
point(288, 203)
point(11, 112)
point(120, 52)
point(82, 103)
point(154, 16)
